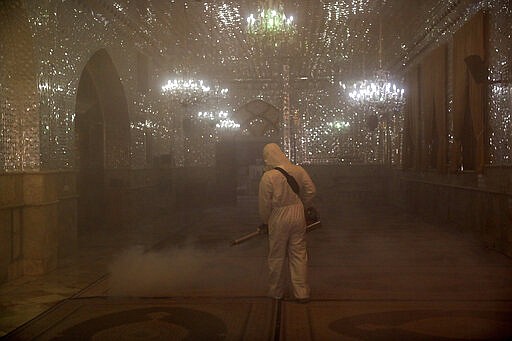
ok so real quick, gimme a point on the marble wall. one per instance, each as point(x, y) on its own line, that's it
point(480, 204)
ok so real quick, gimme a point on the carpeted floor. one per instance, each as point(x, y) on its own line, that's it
point(375, 274)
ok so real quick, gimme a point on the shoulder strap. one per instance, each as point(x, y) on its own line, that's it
point(291, 180)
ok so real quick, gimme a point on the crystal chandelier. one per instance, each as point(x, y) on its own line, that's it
point(379, 91)
point(339, 125)
point(270, 25)
point(186, 92)
point(220, 118)
point(227, 124)
point(219, 92)
point(212, 116)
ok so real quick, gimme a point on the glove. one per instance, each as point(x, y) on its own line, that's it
point(263, 228)
point(311, 215)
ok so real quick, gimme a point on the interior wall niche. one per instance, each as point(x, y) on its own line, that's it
point(434, 109)
point(412, 121)
point(427, 121)
point(470, 120)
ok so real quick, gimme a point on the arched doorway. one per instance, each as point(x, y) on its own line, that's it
point(103, 143)
point(240, 157)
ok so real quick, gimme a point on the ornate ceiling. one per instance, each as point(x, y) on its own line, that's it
point(336, 39)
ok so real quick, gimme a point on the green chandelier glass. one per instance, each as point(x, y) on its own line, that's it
point(271, 26)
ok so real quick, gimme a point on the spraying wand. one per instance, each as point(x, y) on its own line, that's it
point(263, 229)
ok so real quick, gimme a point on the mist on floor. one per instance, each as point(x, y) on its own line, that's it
point(169, 272)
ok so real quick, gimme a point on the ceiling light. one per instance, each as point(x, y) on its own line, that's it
point(380, 91)
point(190, 91)
point(220, 118)
point(271, 25)
point(377, 91)
point(186, 92)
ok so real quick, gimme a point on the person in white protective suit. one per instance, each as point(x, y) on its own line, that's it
point(283, 210)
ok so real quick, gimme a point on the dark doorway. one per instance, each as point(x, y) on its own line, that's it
point(91, 150)
point(102, 134)
point(239, 166)
point(468, 141)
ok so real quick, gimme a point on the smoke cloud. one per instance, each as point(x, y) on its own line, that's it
point(184, 271)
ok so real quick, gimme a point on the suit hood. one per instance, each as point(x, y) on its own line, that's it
point(273, 156)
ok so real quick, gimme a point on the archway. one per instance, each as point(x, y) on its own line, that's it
point(258, 118)
point(240, 158)
point(103, 143)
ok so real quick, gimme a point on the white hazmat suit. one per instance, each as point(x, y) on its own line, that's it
point(283, 211)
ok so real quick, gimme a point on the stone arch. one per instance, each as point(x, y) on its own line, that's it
point(103, 143)
point(240, 157)
point(258, 118)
